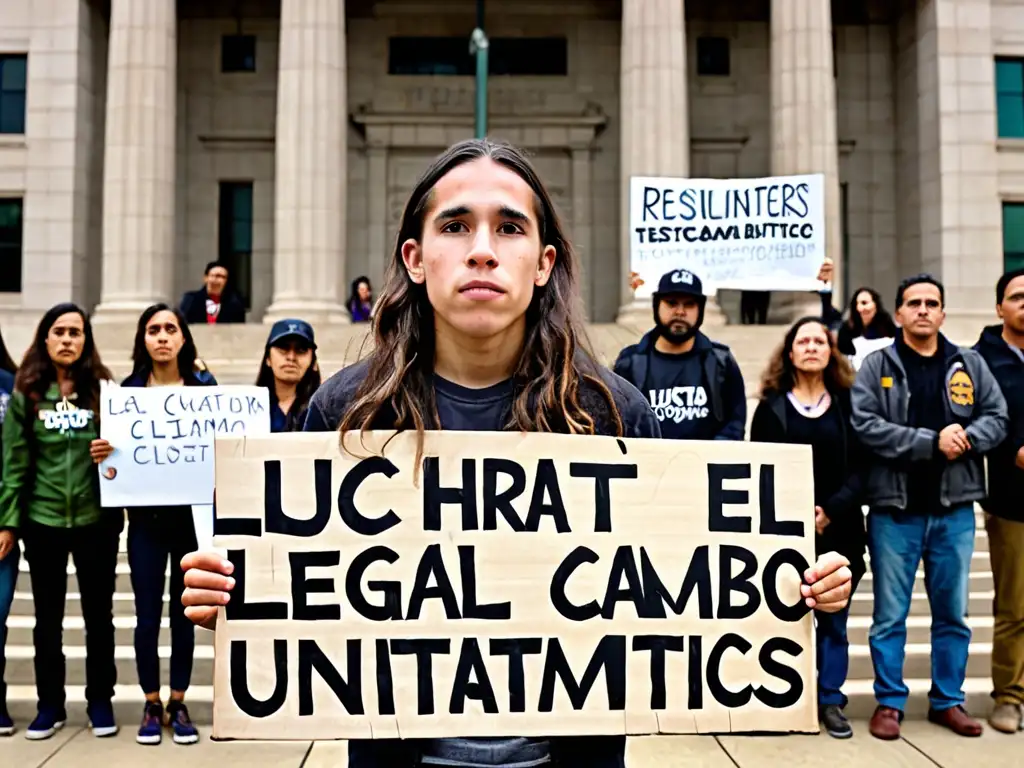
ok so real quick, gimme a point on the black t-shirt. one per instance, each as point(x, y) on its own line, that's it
point(926, 381)
point(463, 409)
point(825, 436)
point(680, 395)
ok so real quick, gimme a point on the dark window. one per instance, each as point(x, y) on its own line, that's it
point(234, 245)
point(713, 56)
point(1013, 236)
point(13, 69)
point(1010, 98)
point(450, 56)
point(238, 53)
point(11, 232)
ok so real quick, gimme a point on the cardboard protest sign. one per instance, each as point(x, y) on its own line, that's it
point(521, 585)
point(163, 440)
point(763, 234)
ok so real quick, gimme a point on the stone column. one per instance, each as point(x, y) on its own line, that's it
point(138, 172)
point(655, 138)
point(804, 114)
point(311, 153)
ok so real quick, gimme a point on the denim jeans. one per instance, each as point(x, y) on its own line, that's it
point(8, 578)
point(897, 543)
point(833, 649)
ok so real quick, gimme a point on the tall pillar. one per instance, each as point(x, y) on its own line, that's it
point(655, 138)
point(804, 136)
point(311, 154)
point(139, 166)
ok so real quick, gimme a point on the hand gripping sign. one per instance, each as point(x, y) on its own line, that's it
point(512, 584)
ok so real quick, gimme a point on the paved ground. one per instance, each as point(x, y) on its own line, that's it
point(923, 746)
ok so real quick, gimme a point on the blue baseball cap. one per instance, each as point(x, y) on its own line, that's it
point(291, 328)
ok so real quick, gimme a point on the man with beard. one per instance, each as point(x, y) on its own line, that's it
point(693, 384)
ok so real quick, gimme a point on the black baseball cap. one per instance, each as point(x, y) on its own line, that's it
point(681, 281)
point(291, 328)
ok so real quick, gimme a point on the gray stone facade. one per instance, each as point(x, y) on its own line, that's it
point(131, 124)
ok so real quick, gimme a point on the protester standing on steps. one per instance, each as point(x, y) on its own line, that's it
point(360, 302)
point(290, 372)
point(866, 320)
point(479, 327)
point(1002, 346)
point(216, 302)
point(10, 551)
point(926, 411)
point(164, 355)
point(805, 399)
point(51, 499)
point(694, 385)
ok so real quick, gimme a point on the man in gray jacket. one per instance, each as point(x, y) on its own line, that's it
point(926, 411)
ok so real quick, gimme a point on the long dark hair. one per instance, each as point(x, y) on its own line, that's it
point(142, 362)
point(37, 371)
point(309, 384)
point(6, 363)
point(555, 362)
point(780, 375)
point(882, 323)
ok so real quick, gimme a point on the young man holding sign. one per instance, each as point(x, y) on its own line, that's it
point(479, 328)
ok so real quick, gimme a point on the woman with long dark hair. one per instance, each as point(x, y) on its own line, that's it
point(164, 355)
point(360, 301)
point(10, 552)
point(51, 498)
point(290, 372)
point(478, 327)
point(805, 399)
point(866, 319)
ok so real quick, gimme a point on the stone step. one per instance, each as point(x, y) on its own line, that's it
point(978, 604)
point(128, 702)
point(19, 631)
point(20, 669)
point(918, 629)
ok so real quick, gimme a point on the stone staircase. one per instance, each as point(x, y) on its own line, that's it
point(233, 354)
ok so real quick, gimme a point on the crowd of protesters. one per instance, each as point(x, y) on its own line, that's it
point(479, 326)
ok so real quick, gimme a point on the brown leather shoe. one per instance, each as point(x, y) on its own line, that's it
point(957, 720)
point(885, 723)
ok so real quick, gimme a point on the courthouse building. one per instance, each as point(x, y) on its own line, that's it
point(140, 139)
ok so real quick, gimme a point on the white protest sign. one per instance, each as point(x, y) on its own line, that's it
point(764, 234)
point(163, 440)
point(864, 347)
point(512, 585)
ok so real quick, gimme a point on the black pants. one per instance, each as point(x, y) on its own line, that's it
point(754, 307)
point(94, 550)
point(154, 537)
point(566, 752)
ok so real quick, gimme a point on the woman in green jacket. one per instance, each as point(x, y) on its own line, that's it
point(50, 498)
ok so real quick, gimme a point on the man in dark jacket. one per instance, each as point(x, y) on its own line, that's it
point(1002, 346)
point(215, 302)
point(693, 384)
point(926, 412)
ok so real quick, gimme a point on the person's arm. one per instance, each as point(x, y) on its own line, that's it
point(845, 341)
point(881, 437)
point(991, 422)
point(622, 367)
point(847, 501)
point(734, 398)
point(17, 461)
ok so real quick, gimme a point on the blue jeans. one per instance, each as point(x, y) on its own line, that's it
point(833, 650)
point(897, 543)
point(8, 578)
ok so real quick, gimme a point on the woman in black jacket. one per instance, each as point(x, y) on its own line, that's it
point(164, 356)
point(805, 399)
